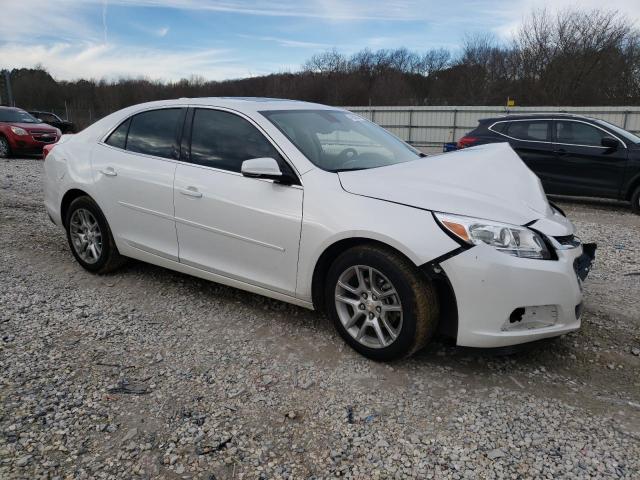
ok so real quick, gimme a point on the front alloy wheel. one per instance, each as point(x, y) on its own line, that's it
point(380, 302)
point(5, 150)
point(369, 306)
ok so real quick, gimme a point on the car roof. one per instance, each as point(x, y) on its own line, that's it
point(11, 108)
point(535, 116)
point(242, 104)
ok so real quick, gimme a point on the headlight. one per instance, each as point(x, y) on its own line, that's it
point(19, 131)
point(512, 239)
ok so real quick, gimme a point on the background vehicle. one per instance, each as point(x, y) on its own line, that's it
point(23, 134)
point(54, 120)
point(392, 245)
point(572, 155)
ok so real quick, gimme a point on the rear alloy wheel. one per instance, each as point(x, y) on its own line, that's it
point(380, 303)
point(5, 149)
point(635, 201)
point(90, 237)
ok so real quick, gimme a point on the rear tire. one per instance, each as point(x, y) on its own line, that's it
point(635, 201)
point(90, 237)
point(387, 311)
point(5, 148)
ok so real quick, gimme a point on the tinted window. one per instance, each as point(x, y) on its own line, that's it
point(224, 140)
point(118, 137)
point(499, 127)
point(18, 116)
point(578, 133)
point(535, 130)
point(154, 133)
point(47, 117)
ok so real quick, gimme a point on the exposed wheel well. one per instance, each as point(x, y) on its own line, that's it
point(448, 324)
point(69, 197)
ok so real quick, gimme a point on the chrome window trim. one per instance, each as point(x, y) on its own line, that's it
point(554, 120)
point(180, 162)
point(104, 138)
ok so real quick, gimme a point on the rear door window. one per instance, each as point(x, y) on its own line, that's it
point(536, 130)
point(578, 133)
point(155, 133)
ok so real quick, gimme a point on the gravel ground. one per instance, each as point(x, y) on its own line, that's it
point(148, 373)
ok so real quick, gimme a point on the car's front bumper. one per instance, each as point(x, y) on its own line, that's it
point(28, 145)
point(504, 300)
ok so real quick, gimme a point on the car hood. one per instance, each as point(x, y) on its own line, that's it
point(488, 181)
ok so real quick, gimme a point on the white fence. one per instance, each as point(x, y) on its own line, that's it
point(434, 126)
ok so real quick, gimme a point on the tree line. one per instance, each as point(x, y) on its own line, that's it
point(569, 58)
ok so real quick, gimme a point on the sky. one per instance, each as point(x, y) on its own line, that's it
point(223, 39)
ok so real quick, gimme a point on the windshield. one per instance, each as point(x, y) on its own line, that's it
point(623, 133)
point(16, 116)
point(338, 141)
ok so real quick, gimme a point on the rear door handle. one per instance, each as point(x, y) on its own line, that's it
point(109, 172)
point(560, 151)
point(191, 192)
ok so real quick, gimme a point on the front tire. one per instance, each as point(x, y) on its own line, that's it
point(380, 303)
point(90, 237)
point(5, 148)
point(635, 201)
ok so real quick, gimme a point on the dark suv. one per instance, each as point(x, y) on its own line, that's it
point(54, 120)
point(572, 154)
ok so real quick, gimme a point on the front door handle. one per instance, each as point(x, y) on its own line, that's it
point(560, 151)
point(109, 172)
point(191, 192)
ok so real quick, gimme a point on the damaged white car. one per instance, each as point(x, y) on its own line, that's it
point(316, 206)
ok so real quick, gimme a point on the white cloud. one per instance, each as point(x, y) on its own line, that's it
point(336, 10)
point(286, 42)
point(99, 60)
point(20, 21)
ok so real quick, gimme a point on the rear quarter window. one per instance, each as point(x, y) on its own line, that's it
point(118, 137)
point(499, 127)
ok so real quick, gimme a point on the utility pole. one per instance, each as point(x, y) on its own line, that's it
point(6, 94)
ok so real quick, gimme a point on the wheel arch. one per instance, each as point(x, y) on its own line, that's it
point(69, 196)
point(633, 185)
point(448, 321)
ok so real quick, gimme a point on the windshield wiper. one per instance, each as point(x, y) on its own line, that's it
point(338, 170)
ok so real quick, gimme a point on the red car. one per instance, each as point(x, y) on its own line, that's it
point(23, 134)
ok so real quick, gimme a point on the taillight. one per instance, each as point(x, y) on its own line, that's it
point(46, 149)
point(465, 142)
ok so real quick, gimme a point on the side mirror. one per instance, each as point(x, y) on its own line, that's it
point(262, 168)
point(609, 142)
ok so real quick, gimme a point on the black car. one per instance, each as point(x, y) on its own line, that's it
point(55, 121)
point(572, 154)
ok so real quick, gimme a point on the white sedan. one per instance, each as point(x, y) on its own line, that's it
point(318, 207)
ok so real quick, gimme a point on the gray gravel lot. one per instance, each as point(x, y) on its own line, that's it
point(148, 373)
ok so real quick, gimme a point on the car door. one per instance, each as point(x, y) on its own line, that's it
point(531, 140)
point(582, 165)
point(134, 171)
point(240, 227)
